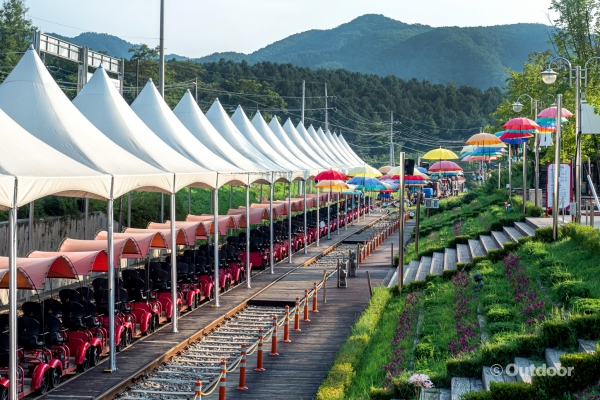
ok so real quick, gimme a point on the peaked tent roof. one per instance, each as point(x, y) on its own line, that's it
point(338, 149)
point(190, 115)
point(327, 146)
point(156, 114)
point(294, 136)
point(315, 146)
point(269, 136)
point(243, 124)
point(41, 170)
point(349, 149)
point(338, 144)
point(283, 137)
point(315, 136)
point(217, 116)
point(104, 106)
point(57, 122)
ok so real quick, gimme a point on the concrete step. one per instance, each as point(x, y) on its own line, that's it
point(487, 377)
point(424, 267)
point(437, 264)
point(489, 243)
point(512, 233)
point(476, 248)
point(552, 357)
point(538, 222)
point(462, 386)
point(500, 238)
point(436, 394)
point(525, 229)
point(463, 253)
point(450, 259)
point(588, 346)
point(524, 369)
point(411, 274)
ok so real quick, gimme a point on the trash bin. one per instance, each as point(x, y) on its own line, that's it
point(531, 197)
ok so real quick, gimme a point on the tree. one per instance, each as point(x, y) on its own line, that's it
point(15, 31)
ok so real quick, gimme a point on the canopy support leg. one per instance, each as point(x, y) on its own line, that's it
point(30, 232)
point(271, 260)
point(173, 267)
point(318, 219)
point(248, 269)
point(12, 300)
point(86, 207)
point(111, 286)
point(304, 208)
point(129, 210)
point(216, 244)
point(329, 215)
point(290, 222)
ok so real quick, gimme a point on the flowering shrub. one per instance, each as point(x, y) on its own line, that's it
point(530, 306)
point(466, 320)
point(457, 228)
point(406, 326)
point(420, 381)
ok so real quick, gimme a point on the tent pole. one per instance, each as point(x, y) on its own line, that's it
point(30, 233)
point(248, 270)
point(329, 215)
point(216, 244)
point(318, 219)
point(261, 194)
point(305, 236)
point(290, 222)
point(162, 208)
point(210, 202)
point(86, 207)
point(337, 212)
point(129, 210)
point(111, 285)
point(189, 200)
point(230, 196)
point(271, 194)
point(173, 266)
point(12, 299)
point(345, 212)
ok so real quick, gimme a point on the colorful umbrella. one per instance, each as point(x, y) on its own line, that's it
point(521, 124)
point(364, 170)
point(330, 174)
point(482, 139)
point(440, 154)
point(385, 169)
point(551, 112)
point(421, 169)
point(444, 166)
point(332, 185)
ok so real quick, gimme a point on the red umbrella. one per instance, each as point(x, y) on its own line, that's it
point(331, 175)
point(550, 112)
point(443, 166)
point(521, 124)
point(515, 135)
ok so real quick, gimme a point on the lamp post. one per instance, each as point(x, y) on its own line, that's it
point(578, 74)
point(517, 107)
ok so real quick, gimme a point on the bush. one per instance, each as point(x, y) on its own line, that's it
point(499, 353)
point(402, 389)
point(555, 275)
point(586, 326)
point(585, 236)
point(498, 313)
point(585, 306)
point(557, 334)
point(569, 289)
point(543, 234)
point(512, 390)
point(424, 350)
point(496, 327)
point(496, 254)
point(448, 274)
point(380, 394)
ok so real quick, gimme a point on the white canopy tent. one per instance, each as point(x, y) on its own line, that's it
point(103, 105)
point(156, 114)
point(345, 145)
point(267, 134)
point(190, 115)
point(218, 118)
point(336, 148)
point(294, 136)
point(329, 146)
point(283, 137)
point(243, 124)
point(348, 154)
point(57, 122)
point(317, 139)
point(316, 147)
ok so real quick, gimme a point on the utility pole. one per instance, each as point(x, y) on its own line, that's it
point(326, 115)
point(161, 60)
point(391, 138)
point(304, 98)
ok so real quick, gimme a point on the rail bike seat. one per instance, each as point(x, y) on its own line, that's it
point(53, 307)
point(69, 295)
point(100, 283)
point(32, 309)
point(73, 314)
point(135, 289)
point(87, 293)
point(28, 333)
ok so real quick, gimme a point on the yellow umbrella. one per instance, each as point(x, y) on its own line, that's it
point(364, 170)
point(332, 185)
point(483, 139)
point(385, 169)
point(440, 154)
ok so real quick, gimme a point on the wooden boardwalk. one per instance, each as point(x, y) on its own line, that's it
point(302, 364)
point(156, 348)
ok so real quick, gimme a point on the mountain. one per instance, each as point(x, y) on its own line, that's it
point(375, 44)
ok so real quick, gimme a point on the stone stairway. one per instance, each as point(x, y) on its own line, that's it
point(464, 253)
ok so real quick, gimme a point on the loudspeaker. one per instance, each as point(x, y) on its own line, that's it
point(409, 167)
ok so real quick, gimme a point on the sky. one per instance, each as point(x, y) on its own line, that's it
point(196, 28)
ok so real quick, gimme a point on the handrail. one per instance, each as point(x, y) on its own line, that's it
point(591, 185)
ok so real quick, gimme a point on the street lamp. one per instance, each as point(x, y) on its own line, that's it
point(517, 107)
point(578, 74)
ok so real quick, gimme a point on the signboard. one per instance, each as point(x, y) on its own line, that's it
point(590, 121)
point(565, 182)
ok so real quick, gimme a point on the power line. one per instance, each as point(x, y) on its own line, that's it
point(87, 30)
